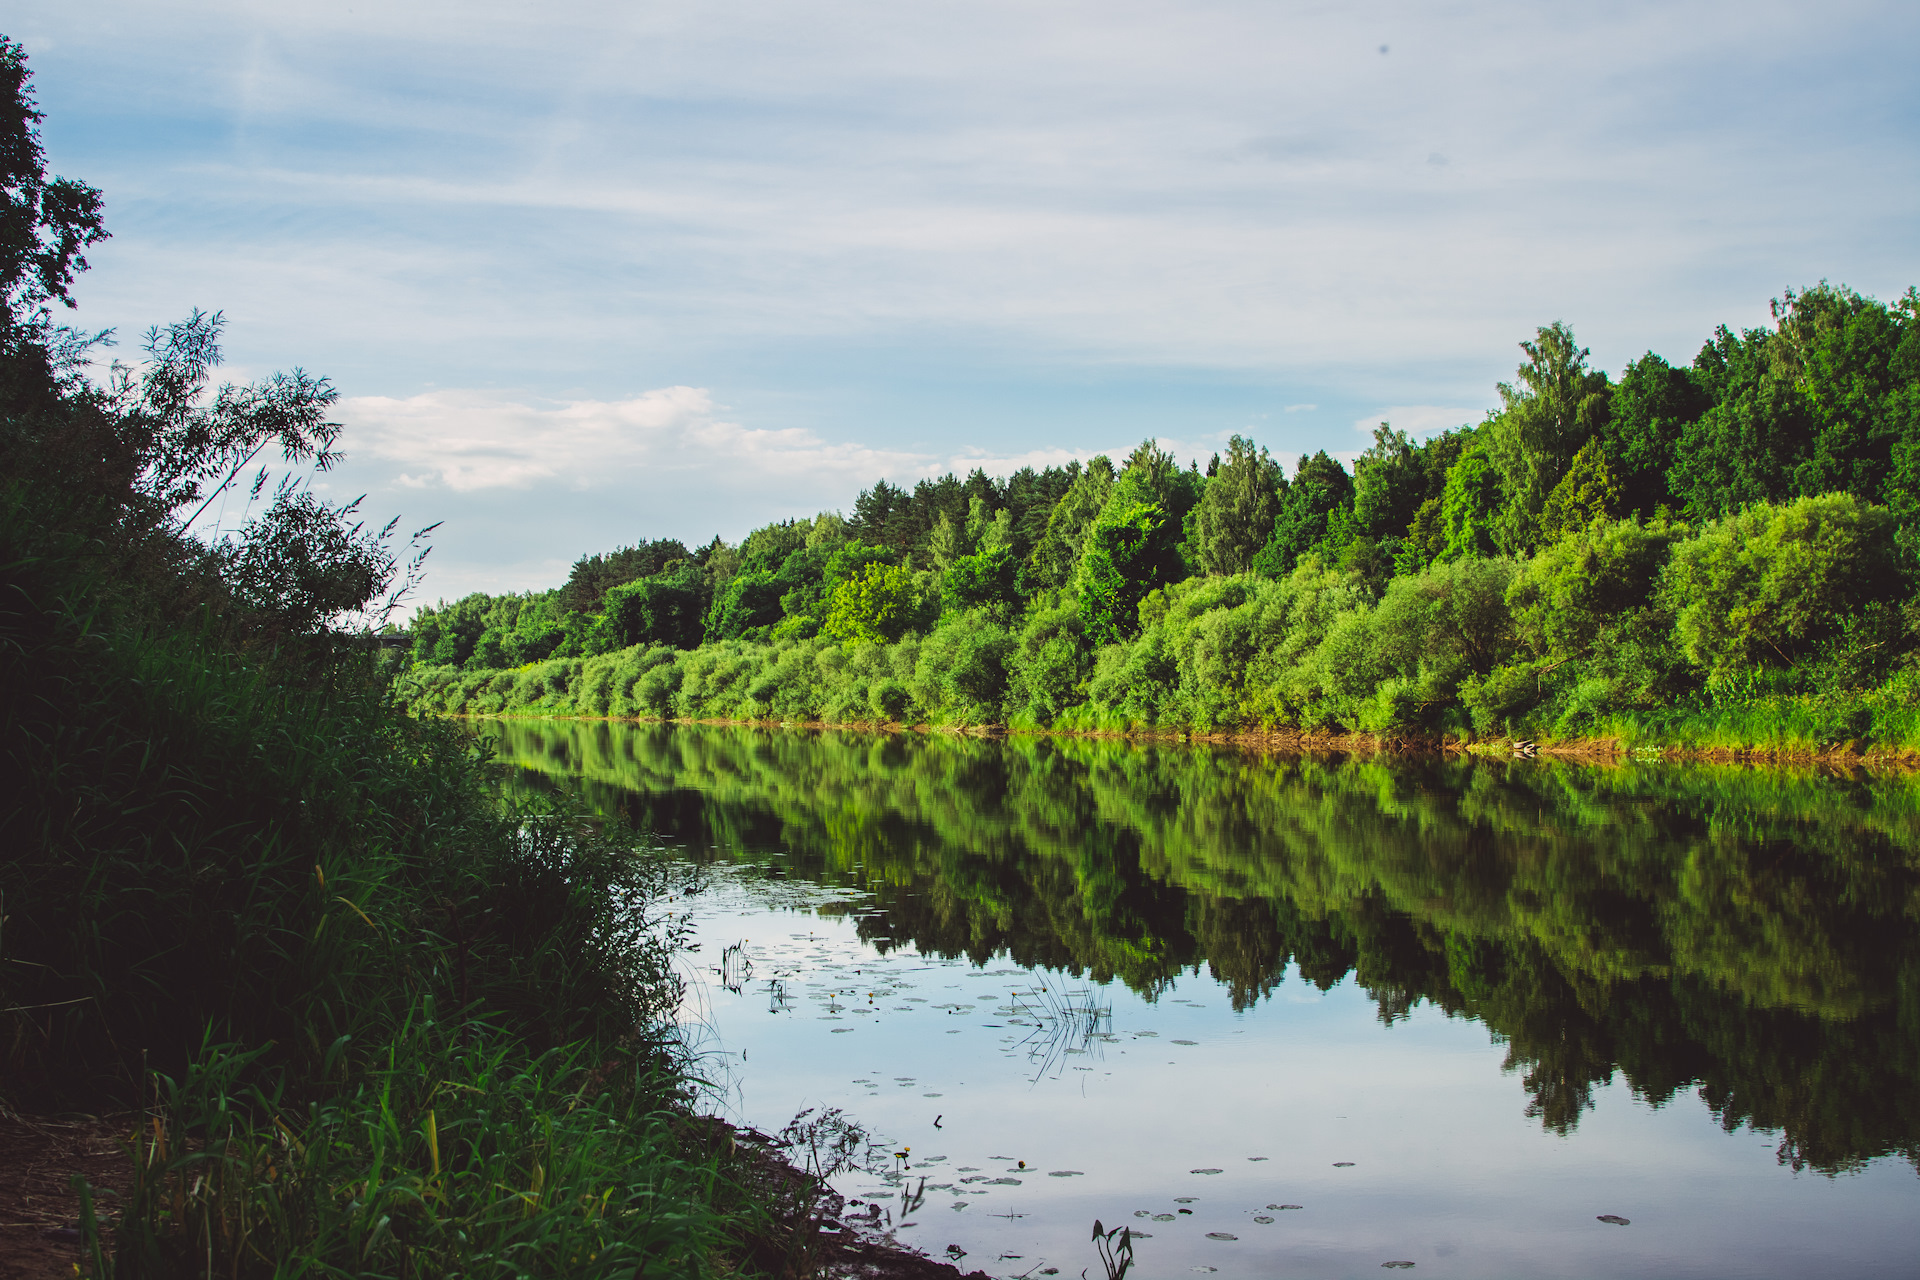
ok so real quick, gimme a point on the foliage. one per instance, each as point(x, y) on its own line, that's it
point(1469, 505)
point(1236, 511)
point(1773, 586)
point(1320, 493)
point(45, 222)
point(875, 605)
point(1056, 555)
point(1557, 407)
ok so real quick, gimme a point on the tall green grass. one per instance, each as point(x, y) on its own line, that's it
point(371, 1020)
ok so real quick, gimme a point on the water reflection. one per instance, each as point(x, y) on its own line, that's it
point(1744, 933)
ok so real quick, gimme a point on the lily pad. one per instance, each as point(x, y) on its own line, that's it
point(1163, 1217)
point(1185, 1199)
point(1004, 1182)
point(1262, 1218)
point(840, 1031)
point(1397, 1266)
point(1221, 1235)
point(1205, 1171)
point(1186, 1042)
point(1343, 1164)
point(1286, 1206)
point(1066, 1173)
point(1615, 1219)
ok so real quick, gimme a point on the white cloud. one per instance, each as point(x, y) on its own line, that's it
point(671, 443)
point(474, 440)
point(1418, 420)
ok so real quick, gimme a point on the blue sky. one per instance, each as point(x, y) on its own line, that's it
point(586, 273)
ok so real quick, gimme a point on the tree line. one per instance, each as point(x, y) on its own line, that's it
point(1734, 538)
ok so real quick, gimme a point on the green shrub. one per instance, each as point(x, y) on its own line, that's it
point(1774, 585)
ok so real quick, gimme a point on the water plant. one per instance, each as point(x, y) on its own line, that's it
point(1115, 1247)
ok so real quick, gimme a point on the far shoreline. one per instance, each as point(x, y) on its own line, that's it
point(1590, 751)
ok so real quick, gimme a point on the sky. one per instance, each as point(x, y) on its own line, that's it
point(590, 273)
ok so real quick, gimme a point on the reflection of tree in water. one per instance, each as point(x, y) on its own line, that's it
point(1745, 933)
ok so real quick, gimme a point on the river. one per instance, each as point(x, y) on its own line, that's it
point(1300, 1016)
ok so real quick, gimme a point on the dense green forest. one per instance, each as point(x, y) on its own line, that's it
point(1721, 553)
point(352, 1016)
point(1748, 934)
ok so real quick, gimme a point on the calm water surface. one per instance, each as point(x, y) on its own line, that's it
point(1303, 1017)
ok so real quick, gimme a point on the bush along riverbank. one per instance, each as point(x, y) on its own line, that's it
point(347, 1011)
point(1786, 629)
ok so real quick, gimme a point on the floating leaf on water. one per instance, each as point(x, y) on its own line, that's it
point(1221, 1235)
point(1343, 1164)
point(1185, 1199)
point(1067, 1173)
point(1206, 1171)
point(1615, 1219)
point(1255, 1159)
point(1261, 1218)
point(1004, 1182)
point(1143, 1235)
point(1286, 1206)
point(1397, 1266)
point(1143, 1213)
point(1186, 1042)
point(1183, 1211)
point(1203, 1268)
point(840, 1031)
point(1163, 1217)
point(933, 1095)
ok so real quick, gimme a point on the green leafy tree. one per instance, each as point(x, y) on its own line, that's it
point(1055, 556)
point(46, 223)
point(1319, 500)
point(1236, 511)
point(1556, 407)
point(1133, 546)
point(1652, 406)
point(1121, 552)
point(988, 576)
point(667, 609)
point(874, 606)
point(1585, 494)
point(1470, 503)
point(593, 576)
point(750, 600)
point(1390, 483)
point(1820, 403)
